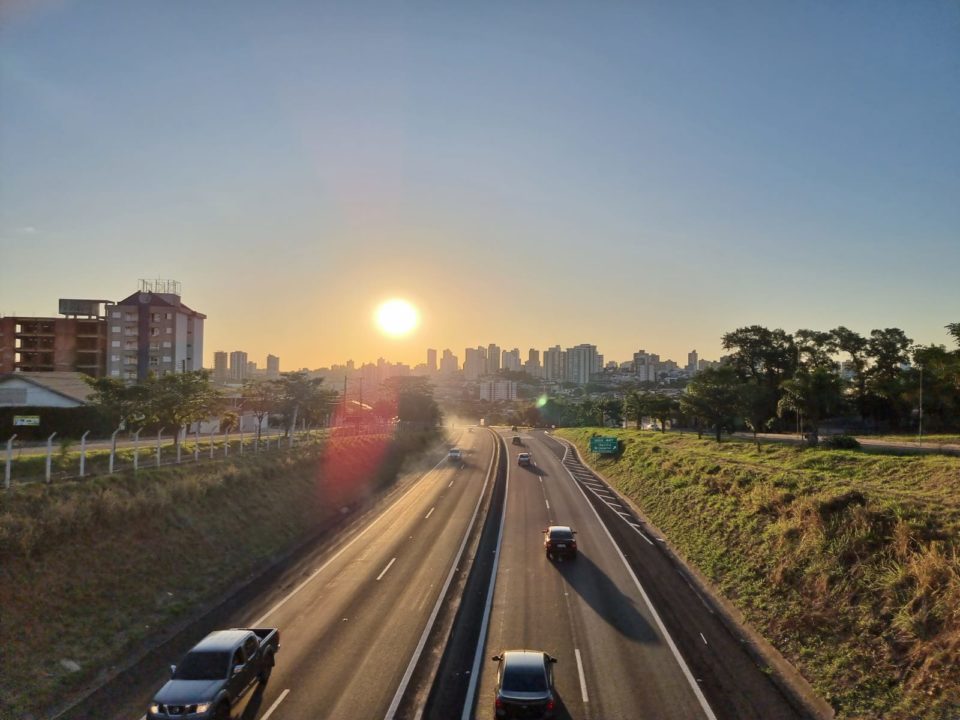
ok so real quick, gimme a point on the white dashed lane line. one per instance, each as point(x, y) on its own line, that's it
point(276, 703)
point(583, 679)
point(384, 571)
point(430, 513)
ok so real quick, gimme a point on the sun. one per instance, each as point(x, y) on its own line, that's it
point(397, 318)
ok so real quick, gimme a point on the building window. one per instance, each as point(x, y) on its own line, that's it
point(169, 331)
point(167, 359)
point(167, 343)
point(131, 316)
point(169, 316)
point(154, 331)
point(115, 328)
point(116, 314)
point(115, 358)
point(115, 343)
point(115, 373)
point(154, 361)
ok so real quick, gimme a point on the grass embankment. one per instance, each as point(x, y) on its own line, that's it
point(90, 570)
point(846, 561)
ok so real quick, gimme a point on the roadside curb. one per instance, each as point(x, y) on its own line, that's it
point(787, 678)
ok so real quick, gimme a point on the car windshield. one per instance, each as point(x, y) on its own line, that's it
point(203, 666)
point(561, 535)
point(524, 679)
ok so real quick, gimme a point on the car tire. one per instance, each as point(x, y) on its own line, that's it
point(265, 672)
point(222, 712)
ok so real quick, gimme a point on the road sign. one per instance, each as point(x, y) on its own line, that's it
point(26, 421)
point(604, 445)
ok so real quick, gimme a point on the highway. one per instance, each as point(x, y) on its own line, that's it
point(353, 619)
point(618, 657)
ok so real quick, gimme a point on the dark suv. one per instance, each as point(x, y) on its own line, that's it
point(524, 685)
point(559, 541)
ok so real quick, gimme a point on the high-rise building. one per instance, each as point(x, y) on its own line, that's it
point(75, 343)
point(238, 366)
point(152, 331)
point(554, 364)
point(511, 360)
point(220, 367)
point(251, 368)
point(646, 366)
point(431, 360)
point(692, 362)
point(532, 366)
point(582, 362)
point(449, 364)
point(475, 363)
point(493, 359)
point(273, 367)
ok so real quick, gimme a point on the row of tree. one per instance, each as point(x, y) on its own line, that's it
point(774, 380)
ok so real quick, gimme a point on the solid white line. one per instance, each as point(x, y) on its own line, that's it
point(430, 513)
point(478, 656)
point(273, 707)
point(260, 620)
point(547, 502)
point(583, 679)
point(703, 638)
point(384, 572)
point(398, 696)
point(656, 616)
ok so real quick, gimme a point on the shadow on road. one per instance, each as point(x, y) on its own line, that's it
point(602, 594)
point(254, 703)
point(533, 470)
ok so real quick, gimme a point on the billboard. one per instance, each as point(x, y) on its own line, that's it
point(89, 308)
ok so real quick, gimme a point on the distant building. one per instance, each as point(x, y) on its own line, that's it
point(554, 364)
point(152, 331)
point(646, 366)
point(238, 366)
point(511, 360)
point(273, 367)
point(532, 366)
point(498, 390)
point(692, 362)
point(449, 364)
point(220, 367)
point(251, 368)
point(493, 359)
point(582, 362)
point(74, 343)
point(475, 363)
point(44, 389)
point(431, 360)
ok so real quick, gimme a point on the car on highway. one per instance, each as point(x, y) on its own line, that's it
point(524, 459)
point(559, 542)
point(516, 440)
point(455, 455)
point(216, 674)
point(524, 689)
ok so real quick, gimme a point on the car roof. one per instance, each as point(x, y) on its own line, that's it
point(559, 528)
point(532, 659)
point(222, 640)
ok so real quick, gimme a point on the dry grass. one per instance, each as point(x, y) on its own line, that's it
point(848, 562)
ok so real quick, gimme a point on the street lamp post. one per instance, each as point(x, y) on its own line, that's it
point(920, 425)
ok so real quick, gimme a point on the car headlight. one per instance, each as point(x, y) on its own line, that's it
point(155, 708)
point(203, 707)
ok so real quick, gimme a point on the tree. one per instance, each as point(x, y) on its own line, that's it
point(755, 403)
point(662, 407)
point(414, 400)
point(765, 356)
point(712, 396)
point(855, 345)
point(122, 404)
point(888, 350)
point(180, 399)
point(635, 406)
point(815, 349)
point(611, 409)
point(296, 393)
point(261, 398)
point(814, 394)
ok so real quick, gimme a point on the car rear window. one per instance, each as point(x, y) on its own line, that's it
point(524, 679)
point(561, 535)
point(203, 666)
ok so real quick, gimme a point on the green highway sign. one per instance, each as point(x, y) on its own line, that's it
point(604, 445)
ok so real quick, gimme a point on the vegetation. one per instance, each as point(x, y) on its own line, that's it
point(163, 543)
point(847, 562)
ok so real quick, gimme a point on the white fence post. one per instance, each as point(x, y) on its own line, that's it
point(49, 453)
point(83, 453)
point(211, 443)
point(6, 474)
point(226, 443)
point(241, 435)
point(196, 446)
point(181, 438)
point(113, 448)
point(136, 451)
point(159, 437)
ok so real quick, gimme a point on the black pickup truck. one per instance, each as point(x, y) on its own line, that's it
point(216, 674)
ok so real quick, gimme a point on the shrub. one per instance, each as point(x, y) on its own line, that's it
point(840, 442)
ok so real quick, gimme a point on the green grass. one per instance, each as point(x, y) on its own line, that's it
point(941, 439)
point(846, 561)
point(88, 570)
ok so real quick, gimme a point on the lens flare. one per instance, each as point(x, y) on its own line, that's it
point(397, 318)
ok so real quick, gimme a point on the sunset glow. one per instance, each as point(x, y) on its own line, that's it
point(397, 318)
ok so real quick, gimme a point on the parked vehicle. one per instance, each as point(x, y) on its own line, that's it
point(524, 685)
point(216, 674)
point(559, 542)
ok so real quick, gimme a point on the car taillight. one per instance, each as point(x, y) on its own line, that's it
point(498, 702)
point(550, 704)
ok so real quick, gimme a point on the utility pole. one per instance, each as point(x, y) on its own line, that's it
point(920, 429)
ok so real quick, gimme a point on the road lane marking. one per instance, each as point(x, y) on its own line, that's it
point(273, 707)
point(402, 688)
point(703, 638)
point(262, 619)
point(431, 512)
point(583, 679)
point(653, 611)
point(386, 568)
point(547, 502)
point(451, 484)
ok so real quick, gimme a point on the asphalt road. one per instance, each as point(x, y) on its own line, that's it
point(351, 622)
point(618, 656)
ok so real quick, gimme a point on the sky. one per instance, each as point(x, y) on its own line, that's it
point(634, 175)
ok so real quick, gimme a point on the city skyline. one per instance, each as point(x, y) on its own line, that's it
point(629, 174)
